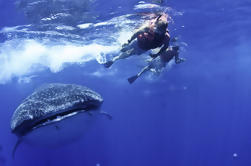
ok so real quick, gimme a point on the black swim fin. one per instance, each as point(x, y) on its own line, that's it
point(132, 79)
point(15, 147)
point(108, 64)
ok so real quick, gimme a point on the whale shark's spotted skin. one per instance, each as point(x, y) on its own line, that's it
point(52, 101)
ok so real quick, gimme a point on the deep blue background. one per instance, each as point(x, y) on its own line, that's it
point(161, 122)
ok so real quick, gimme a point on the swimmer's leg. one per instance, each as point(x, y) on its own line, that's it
point(122, 55)
point(133, 78)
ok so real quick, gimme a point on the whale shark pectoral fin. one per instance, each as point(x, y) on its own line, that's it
point(57, 127)
point(89, 113)
point(19, 141)
point(106, 114)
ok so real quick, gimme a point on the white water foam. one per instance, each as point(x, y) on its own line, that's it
point(21, 57)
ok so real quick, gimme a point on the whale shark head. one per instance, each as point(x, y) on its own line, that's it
point(52, 104)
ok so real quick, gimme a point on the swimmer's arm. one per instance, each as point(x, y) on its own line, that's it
point(130, 40)
point(134, 36)
point(178, 59)
point(166, 44)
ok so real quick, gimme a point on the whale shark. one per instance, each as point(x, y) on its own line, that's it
point(43, 113)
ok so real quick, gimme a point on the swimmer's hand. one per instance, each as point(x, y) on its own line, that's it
point(153, 55)
point(180, 60)
point(174, 39)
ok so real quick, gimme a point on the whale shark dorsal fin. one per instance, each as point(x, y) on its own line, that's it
point(19, 141)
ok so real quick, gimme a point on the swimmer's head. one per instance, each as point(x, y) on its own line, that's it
point(161, 21)
point(162, 17)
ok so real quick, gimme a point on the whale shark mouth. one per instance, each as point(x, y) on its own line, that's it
point(29, 125)
point(57, 117)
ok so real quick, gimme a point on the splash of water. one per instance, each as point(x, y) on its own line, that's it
point(21, 57)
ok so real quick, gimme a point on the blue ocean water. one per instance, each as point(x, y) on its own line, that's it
point(193, 114)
